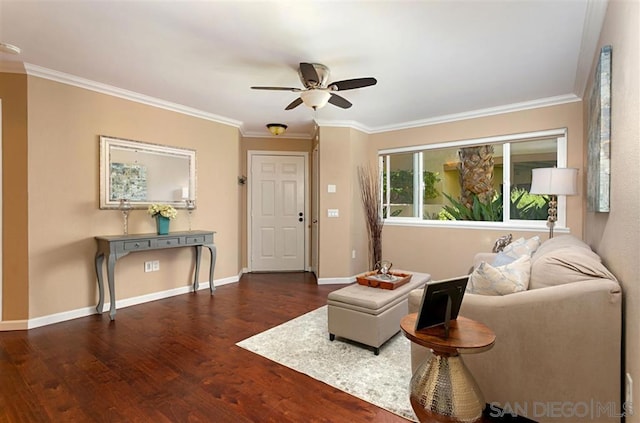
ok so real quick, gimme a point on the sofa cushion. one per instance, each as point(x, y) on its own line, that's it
point(558, 243)
point(567, 265)
point(521, 247)
point(500, 280)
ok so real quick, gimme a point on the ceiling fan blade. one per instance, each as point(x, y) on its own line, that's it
point(350, 84)
point(309, 74)
point(276, 88)
point(342, 102)
point(295, 103)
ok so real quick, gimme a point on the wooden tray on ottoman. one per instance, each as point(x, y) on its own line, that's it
point(370, 279)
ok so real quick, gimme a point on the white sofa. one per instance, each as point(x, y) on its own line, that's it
point(558, 349)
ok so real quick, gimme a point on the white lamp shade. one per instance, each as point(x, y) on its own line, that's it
point(554, 181)
point(315, 99)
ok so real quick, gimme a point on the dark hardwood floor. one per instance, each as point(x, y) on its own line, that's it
point(174, 360)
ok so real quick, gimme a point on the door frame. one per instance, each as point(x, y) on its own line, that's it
point(1, 215)
point(314, 264)
point(307, 228)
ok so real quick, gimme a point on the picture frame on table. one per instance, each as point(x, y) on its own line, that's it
point(441, 301)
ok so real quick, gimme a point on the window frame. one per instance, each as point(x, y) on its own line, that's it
point(503, 141)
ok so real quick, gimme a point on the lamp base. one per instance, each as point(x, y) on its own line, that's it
point(553, 214)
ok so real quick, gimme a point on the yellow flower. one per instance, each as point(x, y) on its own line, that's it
point(162, 210)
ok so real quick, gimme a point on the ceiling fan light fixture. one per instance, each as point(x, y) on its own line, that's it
point(9, 48)
point(276, 128)
point(316, 99)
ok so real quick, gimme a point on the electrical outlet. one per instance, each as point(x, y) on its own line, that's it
point(148, 266)
point(353, 254)
point(628, 395)
point(156, 265)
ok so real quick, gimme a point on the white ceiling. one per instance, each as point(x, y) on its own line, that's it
point(434, 60)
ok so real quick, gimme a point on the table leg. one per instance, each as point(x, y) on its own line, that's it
point(99, 261)
point(212, 266)
point(443, 390)
point(196, 284)
point(111, 264)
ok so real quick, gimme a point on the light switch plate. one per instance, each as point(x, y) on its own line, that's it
point(333, 213)
point(331, 188)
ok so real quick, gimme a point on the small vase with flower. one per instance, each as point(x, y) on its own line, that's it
point(163, 213)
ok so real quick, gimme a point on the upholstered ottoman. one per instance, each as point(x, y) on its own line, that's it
point(369, 315)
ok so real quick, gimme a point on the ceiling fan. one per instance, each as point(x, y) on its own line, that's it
point(317, 91)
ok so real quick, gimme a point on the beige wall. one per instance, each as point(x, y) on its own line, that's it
point(616, 235)
point(263, 144)
point(448, 252)
point(15, 214)
point(64, 123)
point(360, 157)
point(336, 169)
point(342, 150)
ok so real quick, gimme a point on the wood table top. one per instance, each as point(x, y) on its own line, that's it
point(465, 335)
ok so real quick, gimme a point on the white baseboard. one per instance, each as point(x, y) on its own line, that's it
point(336, 281)
point(37, 322)
point(220, 282)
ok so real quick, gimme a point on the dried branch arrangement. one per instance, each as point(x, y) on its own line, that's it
point(370, 194)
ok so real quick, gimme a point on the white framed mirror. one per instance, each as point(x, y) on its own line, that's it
point(144, 173)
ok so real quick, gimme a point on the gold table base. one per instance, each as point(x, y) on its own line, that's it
point(443, 390)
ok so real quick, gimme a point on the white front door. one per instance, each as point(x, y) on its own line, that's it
point(277, 213)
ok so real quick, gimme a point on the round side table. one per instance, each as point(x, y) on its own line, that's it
point(442, 388)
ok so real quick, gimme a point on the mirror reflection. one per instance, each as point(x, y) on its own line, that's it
point(144, 173)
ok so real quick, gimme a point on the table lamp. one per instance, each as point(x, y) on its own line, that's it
point(553, 181)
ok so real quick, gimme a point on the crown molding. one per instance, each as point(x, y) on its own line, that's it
point(593, 21)
point(344, 124)
point(64, 78)
point(480, 113)
point(38, 71)
point(473, 114)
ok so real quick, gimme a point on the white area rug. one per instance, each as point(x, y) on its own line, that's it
point(302, 344)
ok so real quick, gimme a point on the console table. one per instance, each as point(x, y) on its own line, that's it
point(118, 246)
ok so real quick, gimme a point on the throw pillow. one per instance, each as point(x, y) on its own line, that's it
point(500, 280)
point(502, 259)
point(521, 247)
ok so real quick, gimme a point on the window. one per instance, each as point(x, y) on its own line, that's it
point(484, 180)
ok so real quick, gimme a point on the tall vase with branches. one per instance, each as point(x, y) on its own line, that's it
point(370, 195)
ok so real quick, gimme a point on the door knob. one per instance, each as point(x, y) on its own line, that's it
point(300, 214)
point(300, 219)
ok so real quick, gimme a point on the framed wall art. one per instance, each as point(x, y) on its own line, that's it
point(599, 136)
